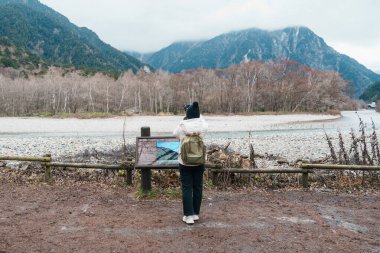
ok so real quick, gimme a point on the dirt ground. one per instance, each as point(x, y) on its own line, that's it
point(89, 217)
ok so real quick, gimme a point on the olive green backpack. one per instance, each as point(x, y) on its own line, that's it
point(193, 150)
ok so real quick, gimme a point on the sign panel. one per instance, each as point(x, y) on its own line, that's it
point(157, 151)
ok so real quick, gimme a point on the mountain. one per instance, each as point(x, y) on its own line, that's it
point(16, 62)
point(16, 58)
point(295, 43)
point(39, 29)
point(372, 93)
point(167, 58)
point(143, 57)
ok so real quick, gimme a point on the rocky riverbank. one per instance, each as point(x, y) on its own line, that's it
point(287, 137)
point(288, 146)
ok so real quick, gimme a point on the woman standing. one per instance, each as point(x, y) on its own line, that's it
point(191, 175)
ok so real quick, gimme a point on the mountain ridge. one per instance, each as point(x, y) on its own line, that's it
point(43, 31)
point(295, 43)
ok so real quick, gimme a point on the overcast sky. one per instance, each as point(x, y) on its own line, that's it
point(349, 26)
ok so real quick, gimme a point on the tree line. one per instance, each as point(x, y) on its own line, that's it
point(277, 86)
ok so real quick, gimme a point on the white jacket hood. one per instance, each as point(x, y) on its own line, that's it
point(191, 126)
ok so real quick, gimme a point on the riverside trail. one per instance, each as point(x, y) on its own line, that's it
point(87, 217)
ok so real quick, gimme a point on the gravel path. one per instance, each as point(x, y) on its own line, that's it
point(88, 217)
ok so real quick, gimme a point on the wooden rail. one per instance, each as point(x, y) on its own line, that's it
point(339, 167)
point(215, 169)
point(304, 180)
point(175, 166)
point(25, 158)
point(254, 171)
point(311, 166)
point(128, 166)
point(94, 166)
point(45, 161)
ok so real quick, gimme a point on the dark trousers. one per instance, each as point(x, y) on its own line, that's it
point(192, 186)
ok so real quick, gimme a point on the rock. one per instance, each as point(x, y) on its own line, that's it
point(24, 166)
point(236, 161)
point(211, 151)
point(246, 164)
point(282, 161)
point(86, 153)
point(223, 157)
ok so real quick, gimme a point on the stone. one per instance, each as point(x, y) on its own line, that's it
point(223, 156)
point(282, 161)
point(246, 164)
point(24, 166)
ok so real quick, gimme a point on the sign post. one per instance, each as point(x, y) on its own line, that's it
point(146, 173)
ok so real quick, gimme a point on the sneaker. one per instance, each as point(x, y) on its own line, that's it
point(195, 217)
point(188, 220)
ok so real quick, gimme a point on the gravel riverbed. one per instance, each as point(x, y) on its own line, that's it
point(292, 137)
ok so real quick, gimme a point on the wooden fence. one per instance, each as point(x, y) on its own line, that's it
point(48, 164)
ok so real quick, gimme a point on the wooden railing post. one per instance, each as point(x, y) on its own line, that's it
point(305, 179)
point(214, 177)
point(146, 173)
point(128, 180)
point(47, 166)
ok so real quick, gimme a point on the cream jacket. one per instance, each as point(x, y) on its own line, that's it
point(190, 126)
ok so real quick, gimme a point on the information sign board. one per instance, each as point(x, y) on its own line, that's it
point(157, 151)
